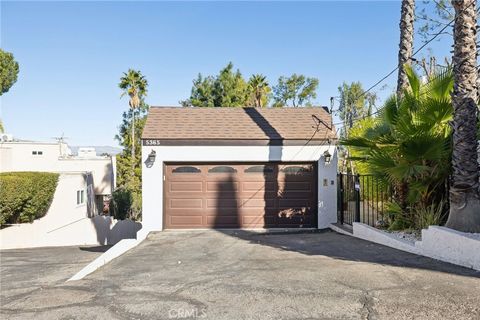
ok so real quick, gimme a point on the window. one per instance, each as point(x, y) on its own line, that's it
point(80, 196)
point(222, 169)
point(294, 170)
point(35, 152)
point(40, 153)
point(259, 169)
point(186, 169)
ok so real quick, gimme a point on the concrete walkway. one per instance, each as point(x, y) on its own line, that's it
point(246, 275)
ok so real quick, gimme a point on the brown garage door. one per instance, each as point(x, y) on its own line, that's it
point(254, 195)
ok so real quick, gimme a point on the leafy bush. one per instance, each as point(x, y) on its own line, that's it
point(121, 203)
point(126, 204)
point(25, 196)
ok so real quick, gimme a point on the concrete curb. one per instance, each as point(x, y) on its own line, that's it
point(117, 250)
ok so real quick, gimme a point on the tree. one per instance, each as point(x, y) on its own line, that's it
point(296, 89)
point(259, 90)
point(2, 129)
point(133, 84)
point(8, 71)
point(406, 43)
point(201, 94)
point(227, 89)
point(409, 143)
point(464, 191)
point(433, 15)
point(129, 184)
point(354, 104)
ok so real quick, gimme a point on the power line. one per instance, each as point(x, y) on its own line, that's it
point(421, 94)
point(396, 68)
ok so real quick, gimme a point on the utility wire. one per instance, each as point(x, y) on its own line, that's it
point(440, 32)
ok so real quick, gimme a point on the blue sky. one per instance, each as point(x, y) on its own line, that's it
point(71, 54)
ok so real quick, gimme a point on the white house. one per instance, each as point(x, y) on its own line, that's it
point(19, 155)
point(73, 217)
point(238, 168)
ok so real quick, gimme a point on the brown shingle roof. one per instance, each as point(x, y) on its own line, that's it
point(203, 124)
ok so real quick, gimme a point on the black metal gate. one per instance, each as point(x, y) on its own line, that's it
point(362, 198)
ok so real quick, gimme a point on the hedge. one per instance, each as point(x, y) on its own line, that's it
point(25, 196)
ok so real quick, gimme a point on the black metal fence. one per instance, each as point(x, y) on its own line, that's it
point(362, 198)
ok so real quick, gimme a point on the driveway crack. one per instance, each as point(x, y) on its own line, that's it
point(367, 312)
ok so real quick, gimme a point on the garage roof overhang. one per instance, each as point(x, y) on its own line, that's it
point(177, 126)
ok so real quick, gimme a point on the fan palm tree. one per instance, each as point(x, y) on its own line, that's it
point(409, 143)
point(259, 87)
point(133, 84)
point(406, 43)
point(464, 191)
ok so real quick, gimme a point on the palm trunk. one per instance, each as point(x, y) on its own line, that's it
point(133, 143)
point(464, 191)
point(406, 43)
point(405, 53)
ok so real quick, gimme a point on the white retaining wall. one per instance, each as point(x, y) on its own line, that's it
point(439, 243)
point(451, 246)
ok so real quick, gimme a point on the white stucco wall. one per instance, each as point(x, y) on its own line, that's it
point(17, 156)
point(439, 243)
point(152, 178)
point(66, 223)
point(451, 246)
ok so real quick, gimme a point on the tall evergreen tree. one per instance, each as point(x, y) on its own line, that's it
point(227, 89)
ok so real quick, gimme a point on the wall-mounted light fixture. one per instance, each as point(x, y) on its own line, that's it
point(150, 159)
point(327, 157)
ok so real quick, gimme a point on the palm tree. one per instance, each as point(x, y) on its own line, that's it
point(406, 43)
point(259, 87)
point(464, 191)
point(409, 143)
point(133, 84)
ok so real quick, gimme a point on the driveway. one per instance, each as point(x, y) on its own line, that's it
point(27, 272)
point(246, 275)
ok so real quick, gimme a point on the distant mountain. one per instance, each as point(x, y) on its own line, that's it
point(98, 149)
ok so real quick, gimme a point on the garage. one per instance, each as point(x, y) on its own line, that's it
point(255, 168)
point(246, 195)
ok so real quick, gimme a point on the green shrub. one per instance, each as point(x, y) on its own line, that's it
point(121, 203)
point(25, 196)
point(126, 202)
point(432, 215)
point(397, 219)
